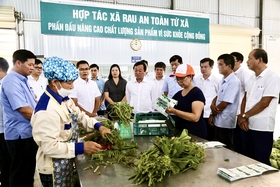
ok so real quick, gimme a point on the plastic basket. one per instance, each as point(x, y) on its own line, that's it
point(125, 132)
point(140, 127)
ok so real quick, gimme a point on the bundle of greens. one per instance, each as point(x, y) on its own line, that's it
point(275, 154)
point(122, 112)
point(167, 156)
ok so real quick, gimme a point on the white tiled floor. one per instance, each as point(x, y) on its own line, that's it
point(276, 134)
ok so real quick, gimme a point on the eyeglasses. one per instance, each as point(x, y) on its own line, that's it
point(38, 68)
point(83, 69)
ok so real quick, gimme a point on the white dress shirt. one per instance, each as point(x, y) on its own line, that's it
point(158, 88)
point(38, 86)
point(210, 88)
point(140, 95)
point(85, 92)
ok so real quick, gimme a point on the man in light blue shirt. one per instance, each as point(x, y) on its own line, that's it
point(170, 85)
point(18, 102)
point(5, 158)
point(94, 70)
point(224, 107)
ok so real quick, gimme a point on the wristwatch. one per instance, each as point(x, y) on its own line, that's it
point(244, 116)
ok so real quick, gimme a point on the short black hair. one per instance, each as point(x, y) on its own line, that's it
point(260, 53)
point(176, 57)
point(4, 65)
point(228, 59)
point(238, 56)
point(142, 62)
point(81, 62)
point(37, 61)
point(94, 66)
point(22, 55)
point(160, 65)
point(211, 62)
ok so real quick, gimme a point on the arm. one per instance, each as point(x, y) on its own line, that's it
point(194, 116)
point(26, 111)
point(123, 99)
point(106, 95)
point(82, 109)
point(243, 122)
point(96, 105)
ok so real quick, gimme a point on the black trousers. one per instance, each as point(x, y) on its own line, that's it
point(238, 140)
point(5, 161)
point(258, 145)
point(225, 136)
point(210, 130)
point(23, 154)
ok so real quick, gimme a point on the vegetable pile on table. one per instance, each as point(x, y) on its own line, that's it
point(275, 154)
point(167, 156)
point(122, 112)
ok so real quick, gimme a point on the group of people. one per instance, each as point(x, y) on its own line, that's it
point(40, 119)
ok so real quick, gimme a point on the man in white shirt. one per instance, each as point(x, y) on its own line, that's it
point(37, 83)
point(159, 79)
point(209, 85)
point(243, 75)
point(86, 94)
point(139, 92)
point(258, 107)
point(170, 85)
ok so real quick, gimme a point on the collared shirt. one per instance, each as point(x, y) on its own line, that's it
point(267, 84)
point(140, 95)
point(210, 88)
point(158, 88)
point(38, 86)
point(16, 93)
point(229, 92)
point(100, 84)
point(243, 75)
point(116, 91)
point(85, 92)
point(171, 86)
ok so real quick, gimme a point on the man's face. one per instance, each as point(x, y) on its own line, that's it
point(83, 71)
point(159, 72)
point(27, 67)
point(223, 68)
point(174, 65)
point(139, 72)
point(37, 71)
point(94, 72)
point(205, 68)
point(252, 61)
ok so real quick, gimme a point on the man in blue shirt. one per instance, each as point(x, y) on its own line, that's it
point(224, 106)
point(5, 158)
point(18, 102)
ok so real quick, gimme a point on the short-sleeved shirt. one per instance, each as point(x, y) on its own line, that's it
point(85, 92)
point(243, 75)
point(171, 86)
point(185, 104)
point(38, 86)
point(210, 88)
point(229, 92)
point(100, 84)
point(1, 111)
point(158, 88)
point(16, 93)
point(116, 91)
point(140, 95)
point(267, 84)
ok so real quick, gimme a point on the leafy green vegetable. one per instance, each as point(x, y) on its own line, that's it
point(122, 112)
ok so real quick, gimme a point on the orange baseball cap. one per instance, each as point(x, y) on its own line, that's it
point(183, 70)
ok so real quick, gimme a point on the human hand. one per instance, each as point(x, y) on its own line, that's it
point(169, 110)
point(103, 130)
point(91, 147)
point(244, 125)
point(211, 120)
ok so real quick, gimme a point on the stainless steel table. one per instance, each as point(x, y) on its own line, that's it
point(204, 176)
